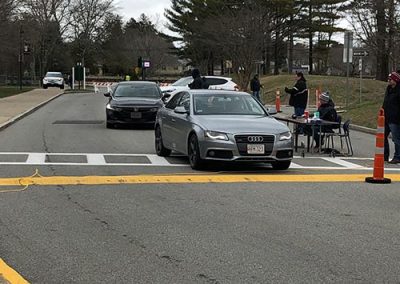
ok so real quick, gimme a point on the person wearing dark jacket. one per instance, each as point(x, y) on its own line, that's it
point(391, 107)
point(327, 112)
point(255, 87)
point(298, 95)
point(197, 80)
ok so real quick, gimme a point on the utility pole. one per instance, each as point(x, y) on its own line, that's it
point(348, 58)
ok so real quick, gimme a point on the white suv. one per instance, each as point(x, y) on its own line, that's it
point(214, 83)
point(53, 79)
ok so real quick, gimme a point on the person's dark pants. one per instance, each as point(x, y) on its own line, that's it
point(299, 111)
point(256, 94)
point(395, 130)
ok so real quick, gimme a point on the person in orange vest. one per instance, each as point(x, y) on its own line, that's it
point(391, 106)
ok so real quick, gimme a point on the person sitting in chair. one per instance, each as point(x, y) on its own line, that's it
point(327, 112)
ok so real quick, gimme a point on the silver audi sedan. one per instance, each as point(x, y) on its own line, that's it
point(215, 125)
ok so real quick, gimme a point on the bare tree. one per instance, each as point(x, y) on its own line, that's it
point(88, 19)
point(379, 32)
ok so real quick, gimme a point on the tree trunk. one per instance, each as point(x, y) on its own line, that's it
point(382, 55)
point(310, 40)
point(290, 45)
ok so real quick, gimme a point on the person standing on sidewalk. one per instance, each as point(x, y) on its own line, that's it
point(391, 106)
point(298, 95)
point(255, 87)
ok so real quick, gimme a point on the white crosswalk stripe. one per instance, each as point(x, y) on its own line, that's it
point(145, 160)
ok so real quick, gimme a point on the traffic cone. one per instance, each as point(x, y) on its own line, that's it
point(379, 163)
point(278, 100)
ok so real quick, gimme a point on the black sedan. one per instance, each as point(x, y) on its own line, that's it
point(134, 102)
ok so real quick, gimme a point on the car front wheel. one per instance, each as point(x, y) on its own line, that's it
point(44, 86)
point(196, 162)
point(160, 149)
point(281, 165)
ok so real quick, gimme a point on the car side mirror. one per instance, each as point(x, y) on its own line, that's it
point(165, 97)
point(108, 94)
point(272, 110)
point(181, 110)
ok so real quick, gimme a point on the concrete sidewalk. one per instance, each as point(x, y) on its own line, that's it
point(15, 107)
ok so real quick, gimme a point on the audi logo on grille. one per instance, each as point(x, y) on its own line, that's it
point(253, 139)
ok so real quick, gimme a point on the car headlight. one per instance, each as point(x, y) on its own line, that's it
point(285, 136)
point(154, 109)
point(214, 135)
point(109, 106)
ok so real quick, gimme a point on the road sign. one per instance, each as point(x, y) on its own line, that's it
point(361, 53)
point(146, 64)
point(348, 47)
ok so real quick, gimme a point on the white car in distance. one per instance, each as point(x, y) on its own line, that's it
point(213, 82)
point(53, 79)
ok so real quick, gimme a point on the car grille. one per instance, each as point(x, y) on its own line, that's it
point(243, 140)
point(126, 114)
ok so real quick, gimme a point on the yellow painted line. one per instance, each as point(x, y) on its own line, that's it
point(10, 275)
point(169, 179)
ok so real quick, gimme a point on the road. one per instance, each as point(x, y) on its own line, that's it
point(125, 226)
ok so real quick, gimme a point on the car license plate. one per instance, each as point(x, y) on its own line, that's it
point(255, 149)
point(136, 115)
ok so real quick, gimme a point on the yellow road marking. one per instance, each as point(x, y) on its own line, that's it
point(156, 179)
point(10, 275)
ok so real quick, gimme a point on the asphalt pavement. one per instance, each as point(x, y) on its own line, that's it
point(18, 106)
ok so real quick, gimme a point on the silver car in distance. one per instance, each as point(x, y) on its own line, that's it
point(221, 125)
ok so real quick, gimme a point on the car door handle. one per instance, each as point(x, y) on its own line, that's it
point(173, 119)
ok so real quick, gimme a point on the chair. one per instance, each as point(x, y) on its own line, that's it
point(346, 136)
point(329, 135)
point(342, 135)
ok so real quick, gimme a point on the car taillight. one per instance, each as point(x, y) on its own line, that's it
point(236, 88)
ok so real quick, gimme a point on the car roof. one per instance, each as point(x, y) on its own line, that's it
point(215, 92)
point(137, 83)
point(209, 76)
point(53, 72)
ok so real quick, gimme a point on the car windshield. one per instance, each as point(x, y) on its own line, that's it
point(137, 91)
point(222, 104)
point(54, 74)
point(183, 81)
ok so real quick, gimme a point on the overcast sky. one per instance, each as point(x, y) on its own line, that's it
point(154, 9)
point(151, 8)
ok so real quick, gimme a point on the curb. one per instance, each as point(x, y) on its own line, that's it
point(363, 129)
point(26, 113)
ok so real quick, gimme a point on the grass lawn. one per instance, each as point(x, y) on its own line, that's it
point(6, 91)
point(362, 111)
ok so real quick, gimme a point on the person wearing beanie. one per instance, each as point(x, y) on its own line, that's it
point(298, 95)
point(391, 106)
point(327, 112)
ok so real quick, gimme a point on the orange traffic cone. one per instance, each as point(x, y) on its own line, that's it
point(278, 100)
point(379, 163)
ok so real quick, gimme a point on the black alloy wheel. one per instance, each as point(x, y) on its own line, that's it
point(160, 149)
point(281, 165)
point(195, 161)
